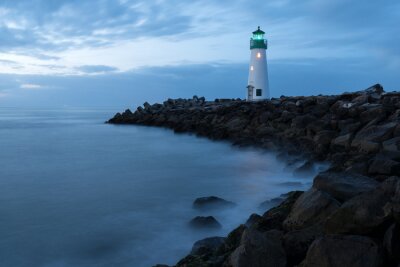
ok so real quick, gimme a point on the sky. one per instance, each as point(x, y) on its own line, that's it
point(121, 53)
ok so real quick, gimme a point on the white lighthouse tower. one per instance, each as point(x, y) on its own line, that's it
point(257, 86)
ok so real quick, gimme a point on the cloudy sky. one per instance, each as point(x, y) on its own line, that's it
point(120, 53)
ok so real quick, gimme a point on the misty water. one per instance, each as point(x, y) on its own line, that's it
point(77, 192)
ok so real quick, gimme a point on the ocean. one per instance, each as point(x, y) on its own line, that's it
point(76, 192)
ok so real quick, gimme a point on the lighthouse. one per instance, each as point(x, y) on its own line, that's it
point(257, 86)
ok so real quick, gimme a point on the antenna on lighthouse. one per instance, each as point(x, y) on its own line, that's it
point(257, 85)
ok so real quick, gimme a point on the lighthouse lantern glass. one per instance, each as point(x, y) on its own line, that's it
point(258, 36)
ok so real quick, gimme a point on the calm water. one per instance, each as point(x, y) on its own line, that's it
point(77, 192)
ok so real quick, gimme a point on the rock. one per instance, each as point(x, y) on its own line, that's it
point(374, 133)
point(312, 207)
point(258, 249)
point(391, 243)
point(392, 145)
point(146, 105)
point(306, 169)
point(343, 185)
point(271, 203)
point(202, 222)
point(273, 218)
point(296, 243)
point(253, 219)
point(364, 213)
point(374, 113)
point(342, 250)
point(382, 165)
point(374, 89)
point(324, 137)
point(232, 241)
point(342, 141)
point(207, 245)
point(212, 202)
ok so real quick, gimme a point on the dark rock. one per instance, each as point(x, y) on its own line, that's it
point(364, 213)
point(342, 141)
point(296, 243)
point(207, 245)
point(253, 219)
point(392, 145)
point(212, 202)
point(324, 137)
point(343, 185)
point(312, 207)
point(202, 222)
point(258, 249)
point(273, 218)
point(271, 203)
point(232, 241)
point(374, 134)
point(382, 165)
point(391, 243)
point(306, 169)
point(343, 250)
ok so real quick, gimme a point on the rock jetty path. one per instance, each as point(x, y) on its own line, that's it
point(350, 216)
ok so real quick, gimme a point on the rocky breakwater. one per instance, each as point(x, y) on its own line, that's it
point(350, 216)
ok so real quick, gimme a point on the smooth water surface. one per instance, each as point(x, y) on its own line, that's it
point(77, 192)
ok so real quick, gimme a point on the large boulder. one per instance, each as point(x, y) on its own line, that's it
point(312, 207)
point(204, 222)
point(296, 243)
point(274, 217)
point(258, 249)
point(343, 141)
point(211, 202)
point(343, 250)
point(383, 165)
point(343, 185)
point(366, 212)
point(391, 243)
point(392, 145)
point(374, 134)
point(207, 245)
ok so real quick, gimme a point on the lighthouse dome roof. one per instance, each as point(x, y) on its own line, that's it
point(258, 31)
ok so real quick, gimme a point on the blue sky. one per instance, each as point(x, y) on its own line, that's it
point(122, 53)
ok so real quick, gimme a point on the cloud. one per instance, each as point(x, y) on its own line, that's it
point(91, 69)
point(30, 86)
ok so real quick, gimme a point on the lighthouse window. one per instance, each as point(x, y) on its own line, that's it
point(251, 68)
point(258, 55)
point(258, 92)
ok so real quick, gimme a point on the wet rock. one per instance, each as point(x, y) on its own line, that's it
point(271, 203)
point(306, 169)
point(273, 218)
point(202, 222)
point(207, 245)
point(253, 219)
point(258, 249)
point(343, 185)
point(212, 202)
point(232, 241)
point(343, 250)
point(311, 208)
